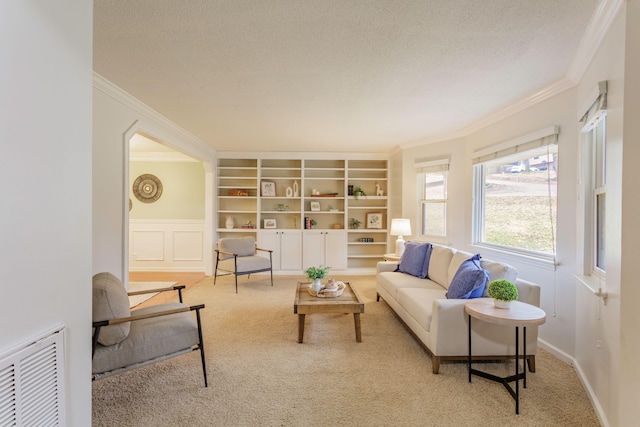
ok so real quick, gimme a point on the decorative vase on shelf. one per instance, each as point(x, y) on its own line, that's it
point(229, 223)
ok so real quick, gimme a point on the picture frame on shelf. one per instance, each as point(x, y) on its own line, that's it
point(315, 206)
point(374, 220)
point(269, 223)
point(268, 188)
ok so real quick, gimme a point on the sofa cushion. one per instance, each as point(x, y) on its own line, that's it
point(469, 281)
point(439, 264)
point(498, 270)
point(150, 339)
point(418, 302)
point(391, 281)
point(110, 301)
point(414, 259)
point(241, 246)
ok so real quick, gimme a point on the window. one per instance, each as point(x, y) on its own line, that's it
point(515, 195)
point(432, 187)
point(594, 176)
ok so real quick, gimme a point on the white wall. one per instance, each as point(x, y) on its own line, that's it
point(629, 389)
point(598, 327)
point(45, 182)
point(576, 319)
point(116, 117)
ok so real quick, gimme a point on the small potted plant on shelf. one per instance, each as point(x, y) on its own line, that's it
point(358, 191)
point(503, 292)
point(316, 274)
point(354, 223)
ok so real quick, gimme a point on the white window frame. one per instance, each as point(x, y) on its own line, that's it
point(424, 167)
point(521, 145)
point(593, 175)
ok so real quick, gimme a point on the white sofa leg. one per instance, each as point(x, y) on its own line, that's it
point(435, 364)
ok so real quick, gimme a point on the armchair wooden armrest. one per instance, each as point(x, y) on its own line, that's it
point(100, 323)
point(178, 288)
point(264, 250)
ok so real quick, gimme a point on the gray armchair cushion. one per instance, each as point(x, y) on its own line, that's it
point(241, 246)
point(110, 301)
point(149, 340)
point(246, 264)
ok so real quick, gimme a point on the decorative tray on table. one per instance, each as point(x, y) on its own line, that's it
point(328, 293)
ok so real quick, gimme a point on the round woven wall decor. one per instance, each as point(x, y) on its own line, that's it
point(147, 188)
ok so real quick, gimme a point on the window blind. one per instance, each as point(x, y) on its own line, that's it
point(541, 138)
point(431, 165)
point(598, 109)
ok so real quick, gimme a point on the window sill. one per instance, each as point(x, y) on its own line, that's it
point(547, 263)
point(593, 283)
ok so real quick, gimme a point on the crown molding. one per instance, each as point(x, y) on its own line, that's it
point(596, 30)
point(159, 157)
point(179, 137)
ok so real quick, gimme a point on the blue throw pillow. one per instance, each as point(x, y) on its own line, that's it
point(469, 281)
point(413, 259)
point(427, 257)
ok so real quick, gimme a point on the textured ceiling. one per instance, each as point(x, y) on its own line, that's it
point(333, 75)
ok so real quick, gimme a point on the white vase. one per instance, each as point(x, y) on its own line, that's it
point(501, 304)
point(229, 223)
point(316, 285)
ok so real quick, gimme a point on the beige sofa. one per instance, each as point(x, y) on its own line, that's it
point(440, 324)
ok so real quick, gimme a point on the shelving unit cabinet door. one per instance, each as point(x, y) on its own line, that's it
point(286, 246)
point(313, 248)
point(325, 248)
point(290, 250)
point(335, 249)
point(270, 240)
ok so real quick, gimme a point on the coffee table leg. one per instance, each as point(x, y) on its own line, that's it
point(356, 318)
point(300, 327)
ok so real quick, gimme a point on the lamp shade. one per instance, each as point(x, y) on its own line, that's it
point(400, 227)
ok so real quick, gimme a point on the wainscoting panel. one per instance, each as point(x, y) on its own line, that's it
point(148, 245)
point(166, 245)
point(187, 245)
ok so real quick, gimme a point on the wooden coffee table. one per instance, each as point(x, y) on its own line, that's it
point(348, 302)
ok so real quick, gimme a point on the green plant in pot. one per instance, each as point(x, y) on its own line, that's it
point(316, 274)
point(358, 191)
point(354, 223)
point(503, 292)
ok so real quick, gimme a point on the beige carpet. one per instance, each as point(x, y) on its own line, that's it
point(135, 300)
point(260, 376)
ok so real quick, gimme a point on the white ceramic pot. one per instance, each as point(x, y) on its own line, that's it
point(501, 304)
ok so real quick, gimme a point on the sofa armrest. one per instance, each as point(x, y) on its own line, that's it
point(448, 323)
point(386, 266)
point(528, 292)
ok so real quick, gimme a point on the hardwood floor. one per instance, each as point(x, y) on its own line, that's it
point(183, 278)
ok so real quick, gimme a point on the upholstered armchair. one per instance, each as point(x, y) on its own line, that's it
point(125, 339)
point(239, 256)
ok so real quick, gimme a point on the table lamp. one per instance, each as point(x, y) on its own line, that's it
point(400, 227)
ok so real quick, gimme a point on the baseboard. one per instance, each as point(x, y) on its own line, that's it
point(559, 354)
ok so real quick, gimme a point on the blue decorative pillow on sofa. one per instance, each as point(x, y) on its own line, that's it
point(469, 281)
point(415, 260)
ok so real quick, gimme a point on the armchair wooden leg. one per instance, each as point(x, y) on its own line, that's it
point(236, 283)
point(201, 345)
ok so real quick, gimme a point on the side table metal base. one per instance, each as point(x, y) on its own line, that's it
point(506, 380)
